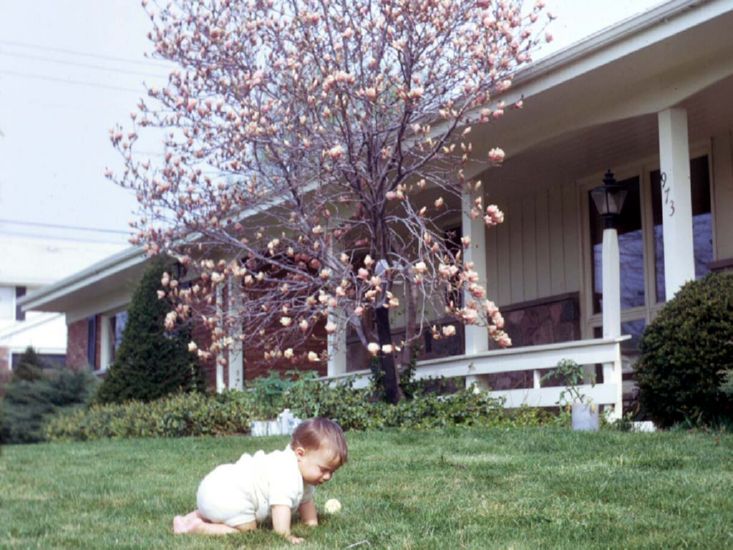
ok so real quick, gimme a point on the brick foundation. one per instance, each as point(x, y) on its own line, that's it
point(4, 359)
point(546, 321)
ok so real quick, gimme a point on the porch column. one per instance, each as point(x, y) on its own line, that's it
point(106, 341)
point(336, 346)
point(476, 339)
point(336, 341)
point(611, 281)
point(219, 366)
point(236, 356)
point(674, 161)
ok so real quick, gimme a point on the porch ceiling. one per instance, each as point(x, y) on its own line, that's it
point(599, 110)
point(583, 152)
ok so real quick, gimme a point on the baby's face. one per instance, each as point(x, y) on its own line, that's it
point(317, 466)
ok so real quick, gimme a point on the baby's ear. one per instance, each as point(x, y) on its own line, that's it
point(299, 451)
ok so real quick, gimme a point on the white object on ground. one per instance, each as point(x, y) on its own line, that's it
point(643, 426)
point(332, 506)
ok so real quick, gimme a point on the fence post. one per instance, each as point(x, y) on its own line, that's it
point(613, 374)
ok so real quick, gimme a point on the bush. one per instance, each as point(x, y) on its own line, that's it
point(150, 362)
point(684, 353)
point(173, 416)
point(29, 367)
point(29, 405)
point(232, 412)
point(358, 409)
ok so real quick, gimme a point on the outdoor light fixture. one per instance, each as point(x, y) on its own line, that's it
point(609, 199)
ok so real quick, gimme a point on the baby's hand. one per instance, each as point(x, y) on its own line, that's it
point(294, 539)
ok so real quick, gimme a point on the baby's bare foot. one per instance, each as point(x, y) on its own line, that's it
point(185, 524)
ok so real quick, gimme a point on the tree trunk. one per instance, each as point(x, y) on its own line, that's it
point(391, 379)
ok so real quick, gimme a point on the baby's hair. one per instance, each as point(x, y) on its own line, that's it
point(312, 434)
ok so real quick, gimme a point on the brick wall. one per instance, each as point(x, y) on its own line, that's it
point(546, 321)
point(4, 359)
point(76, 346)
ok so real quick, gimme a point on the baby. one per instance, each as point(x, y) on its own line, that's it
point(234, 497)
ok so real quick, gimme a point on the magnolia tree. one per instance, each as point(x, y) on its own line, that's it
point(314, 150)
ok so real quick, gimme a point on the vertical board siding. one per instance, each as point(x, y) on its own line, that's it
point(571, 238)
point(515, 251)
point(542, 232)
point(536, 252)
point(502, 259)
point(492, 265)
point(557, 248)
point(529, 248)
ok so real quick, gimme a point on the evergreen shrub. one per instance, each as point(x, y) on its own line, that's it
point(29, 405)
point(685, 352)
point(29, 367)
point(191, 414)
point(150, 362)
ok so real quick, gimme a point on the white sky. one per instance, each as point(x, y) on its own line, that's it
point(71, 69)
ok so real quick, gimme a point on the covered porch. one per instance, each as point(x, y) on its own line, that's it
point(648, 99)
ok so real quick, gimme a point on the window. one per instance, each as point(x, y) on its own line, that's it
point(19, 293)
point(119, 320)
point(630, 245)
point(702, 222)
point(641, 247)
point(92, 341)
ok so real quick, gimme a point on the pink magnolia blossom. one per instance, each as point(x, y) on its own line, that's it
point(297, 142)
point(496, 155)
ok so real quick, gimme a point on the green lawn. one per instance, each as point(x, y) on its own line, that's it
point(534, 488)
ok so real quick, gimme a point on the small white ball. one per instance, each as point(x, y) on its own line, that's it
point(332, 506)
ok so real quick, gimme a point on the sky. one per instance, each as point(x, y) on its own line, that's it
point(72, 69)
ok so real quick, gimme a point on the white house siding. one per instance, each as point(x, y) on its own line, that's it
point(535, 253)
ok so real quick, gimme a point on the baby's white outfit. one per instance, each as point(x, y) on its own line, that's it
point(235, 494)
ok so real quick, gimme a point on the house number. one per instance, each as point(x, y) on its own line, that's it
point(669, 203)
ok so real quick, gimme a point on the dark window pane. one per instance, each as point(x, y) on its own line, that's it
point(92, 341)
point(702, 222)
point(635, 329)
point(631, 249)
point(120, 322)
point(19, 313)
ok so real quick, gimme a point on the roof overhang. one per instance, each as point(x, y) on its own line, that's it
point(638, 66)
point(122, 270)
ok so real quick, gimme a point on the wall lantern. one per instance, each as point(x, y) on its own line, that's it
point(609, 199)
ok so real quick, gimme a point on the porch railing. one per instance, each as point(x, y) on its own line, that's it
point(607, 352)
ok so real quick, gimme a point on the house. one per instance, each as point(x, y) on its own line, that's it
point(649, 99)
point(29, 263)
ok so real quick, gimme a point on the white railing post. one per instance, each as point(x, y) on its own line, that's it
point(476, 338)
point(336, 344)
point(536, 379)
point(236, 353)
point(219, 367)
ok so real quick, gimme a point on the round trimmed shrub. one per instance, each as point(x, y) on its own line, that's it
point(685, 352)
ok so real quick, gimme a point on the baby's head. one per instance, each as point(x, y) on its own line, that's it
point(320, 446)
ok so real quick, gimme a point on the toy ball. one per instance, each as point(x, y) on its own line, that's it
point(333, 506)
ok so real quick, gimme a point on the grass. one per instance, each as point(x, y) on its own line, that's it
point(533, 488)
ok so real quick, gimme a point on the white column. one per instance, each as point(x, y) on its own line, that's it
point(236, 355)
point(106, 342)
point(674, 160)
point(476, 338)
point(219, 367)
point(336, 346)
point(610, 275)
